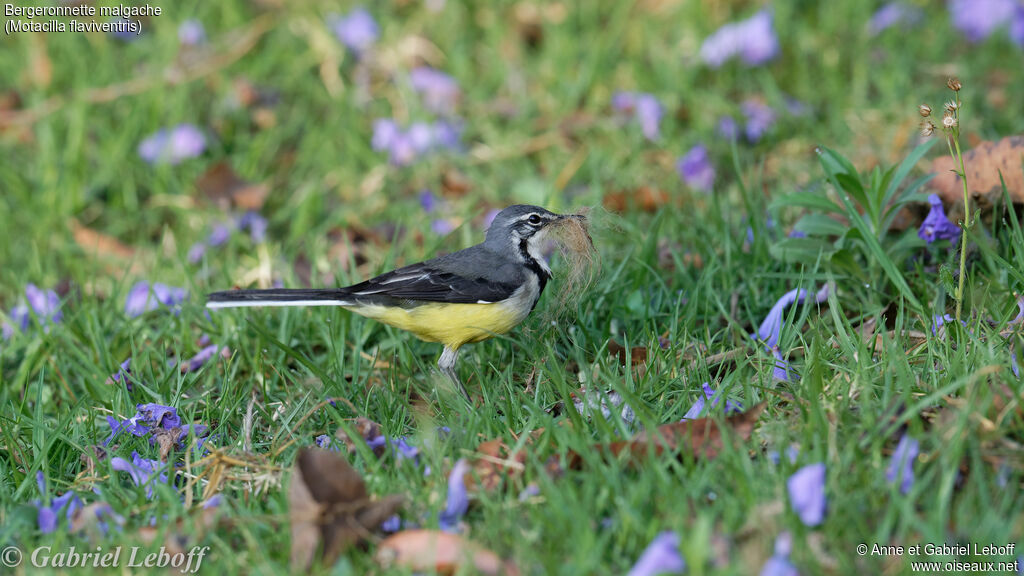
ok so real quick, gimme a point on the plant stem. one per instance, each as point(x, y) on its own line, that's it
point(954, 140)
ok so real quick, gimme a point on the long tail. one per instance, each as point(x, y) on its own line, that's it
point(279, 297)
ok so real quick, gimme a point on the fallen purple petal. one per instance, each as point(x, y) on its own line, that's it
point(255, 224)
point(901, 466)
point(892, 14)
point(771, 328)
point(200, 359)
point(144, 472)
point(191, 33)
point(458, 498)
point(173, 146)
point(159, 416)
point(357, 30)
point(696, 169)
point(753, 40)
point(806, 489)
point(697, 409)
point(440, 91)
point(978, 19)
point(936, 226)
point(662, 556)
point(644, 108)
point(779, 564)
point(760, 118)
point(144, 297)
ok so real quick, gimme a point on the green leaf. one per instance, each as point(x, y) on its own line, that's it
point(801, 250)
point(906, 166)
point(810, 200)
point(820, 225)
point(875, 250)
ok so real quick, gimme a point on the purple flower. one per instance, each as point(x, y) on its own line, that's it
point(458, 499)
point(696, 170)
point(406, 146)
point(404, 450)
point(391, 525)
point(1017, 29)
point(44, 304)
point(159, 416)
point(792, 452)
point(778, 564)
point(642, 107)
point(698, 407)
point(760, 119)
point(490, 216)
point(219, 235)
point(196, 253)
point(661, 557)
point(794, 233)
point(47, 515)
point(753, 40)
point(357, 30)
point(442, 227)
point(385, 131)
point(172, 146)
point(1019, 318)
point(191, 33)
point(781, 369)
point(771, 327)
point(807, 493)
point(428, 201)
point(255, 224)
point(728, 128)
point(901, 466)
point(144, 472)
point(124, 370)
point(978, 19)
point(936, 226)
point(143, 297)
point(892, 14)
point(324, 441)
point(440, 91)
point(202, 357)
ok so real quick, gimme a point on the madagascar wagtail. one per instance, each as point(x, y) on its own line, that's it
point(463, 297)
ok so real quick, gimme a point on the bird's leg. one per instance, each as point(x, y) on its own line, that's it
point(446, 363)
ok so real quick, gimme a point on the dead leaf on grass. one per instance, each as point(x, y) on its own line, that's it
point(984, 164)
point(221, 185)
point(646, 198)
point(440, 552)
point(702, 438)
point(328, 506)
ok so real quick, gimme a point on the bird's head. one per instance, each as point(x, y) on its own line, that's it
point(520, 230)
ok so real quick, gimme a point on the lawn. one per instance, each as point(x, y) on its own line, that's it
point(773, 274)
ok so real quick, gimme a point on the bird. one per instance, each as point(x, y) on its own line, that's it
point(455, 299)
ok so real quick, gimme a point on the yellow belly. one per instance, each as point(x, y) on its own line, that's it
point(450, 324)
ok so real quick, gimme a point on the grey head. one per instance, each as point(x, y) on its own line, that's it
point(518, 232)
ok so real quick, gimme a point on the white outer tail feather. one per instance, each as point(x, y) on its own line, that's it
point(276, 303)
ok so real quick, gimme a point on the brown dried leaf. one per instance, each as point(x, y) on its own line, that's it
point(492, 465)
point(97, 243)
point(645, 198)
point(366, 430)
point(328, 504)
point(637, 354)
point(703, 437)
point(440, 552)
point(225, 188)
point(984, 164)
point(166, 439)
point(455, 183)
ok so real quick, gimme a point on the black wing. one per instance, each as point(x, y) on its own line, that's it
point(429, 281)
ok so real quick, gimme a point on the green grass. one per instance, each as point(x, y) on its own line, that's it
point(846, 407)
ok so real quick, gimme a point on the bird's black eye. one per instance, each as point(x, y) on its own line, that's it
point(533, 219)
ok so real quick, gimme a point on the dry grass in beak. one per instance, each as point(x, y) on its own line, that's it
point(582, 261)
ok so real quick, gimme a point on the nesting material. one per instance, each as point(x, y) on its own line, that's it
point(582, 261)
